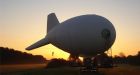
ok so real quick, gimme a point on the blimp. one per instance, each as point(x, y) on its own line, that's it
point(84, 35)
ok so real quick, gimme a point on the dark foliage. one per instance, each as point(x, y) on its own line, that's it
point(120, 60)
point(62, 63)
point(133, 60)
point(11, 56)
point(57, 63)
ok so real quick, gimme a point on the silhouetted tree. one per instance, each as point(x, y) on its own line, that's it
point(134, 60)
point(57, 63)
point(122, 59)
point(11, 56)
point(122, 55)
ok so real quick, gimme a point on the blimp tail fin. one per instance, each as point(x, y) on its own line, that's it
point(52, 21)
point(40, 43)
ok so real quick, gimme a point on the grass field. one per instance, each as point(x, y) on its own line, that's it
point(39, 69)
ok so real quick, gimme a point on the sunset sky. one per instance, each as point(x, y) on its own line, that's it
point(23, 22)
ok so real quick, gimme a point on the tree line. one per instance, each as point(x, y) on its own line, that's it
point(131, 59)
point(11, 56)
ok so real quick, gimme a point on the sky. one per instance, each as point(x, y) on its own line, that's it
point(23, 22)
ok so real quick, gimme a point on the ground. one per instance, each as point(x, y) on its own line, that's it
point(39, 69)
